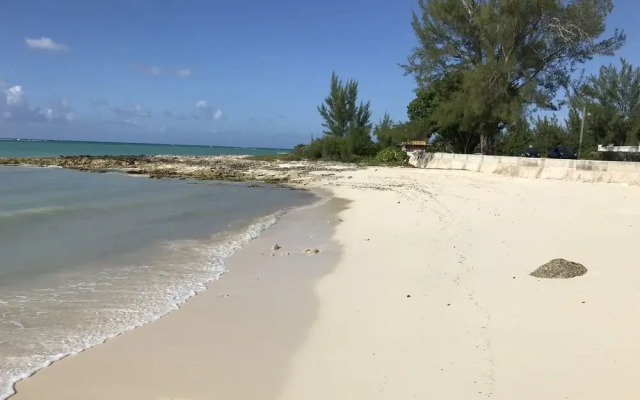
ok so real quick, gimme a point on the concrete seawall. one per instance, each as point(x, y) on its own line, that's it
point(539, 168)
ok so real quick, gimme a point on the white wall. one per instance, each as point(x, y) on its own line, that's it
point(539, 168)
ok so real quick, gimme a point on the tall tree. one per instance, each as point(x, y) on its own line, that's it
point(340, 110)
point(509, 54)
point(612, 100)
point(428, 109)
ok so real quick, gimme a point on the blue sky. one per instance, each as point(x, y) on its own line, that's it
point(213, 72)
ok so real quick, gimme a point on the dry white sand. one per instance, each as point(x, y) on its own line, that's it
point(430, 299)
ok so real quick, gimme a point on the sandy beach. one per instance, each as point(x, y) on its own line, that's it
point(421, 290)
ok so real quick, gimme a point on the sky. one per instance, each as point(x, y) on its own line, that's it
point(211, 72)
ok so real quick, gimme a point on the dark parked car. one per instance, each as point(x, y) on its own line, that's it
point(562, 152)
point(531, 152)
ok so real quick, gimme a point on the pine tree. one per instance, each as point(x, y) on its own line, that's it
point(509, 54)
point(340, 110)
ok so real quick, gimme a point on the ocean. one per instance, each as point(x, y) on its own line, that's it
point(53, 148)
point(85, 257)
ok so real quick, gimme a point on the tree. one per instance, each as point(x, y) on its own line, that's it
point(516, 138)
point(508, 55)
point(340, 110)
point(547, 133)
point(612, 101)
point(383, 131)
point(427, 110)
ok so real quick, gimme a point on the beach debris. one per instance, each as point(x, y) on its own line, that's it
point(559, 268)
point(312, 251)
point(408, 295)
point(284, 254)
point(276, 247)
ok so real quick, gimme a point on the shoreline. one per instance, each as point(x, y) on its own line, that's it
point(223, 168)
point(238, 266)
point(426, 294)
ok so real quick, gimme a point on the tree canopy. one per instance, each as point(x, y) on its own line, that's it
point(340, 110)
point(499, 57)
point(612, 101)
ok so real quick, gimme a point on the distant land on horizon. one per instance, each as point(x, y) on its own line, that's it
point(9, 139)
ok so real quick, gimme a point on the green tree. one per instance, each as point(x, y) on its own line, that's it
point(508, 54)
point(612, 100)
point(427, 111)
point(340, 110)
point(384, 131)
point(547, 132)
point(515, 138)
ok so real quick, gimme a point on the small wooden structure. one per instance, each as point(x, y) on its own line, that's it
point(414, 145)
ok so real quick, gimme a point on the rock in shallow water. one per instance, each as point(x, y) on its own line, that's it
point(559, 269)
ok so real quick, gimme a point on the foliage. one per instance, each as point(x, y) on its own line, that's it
point(505, 56)
point(515, 139)
point(340, 110)
point(548, 132)
point(612, 102)
point(358, 143)
point(423, 106)
point(384, 131)
point(391, 155)
point(397, 133)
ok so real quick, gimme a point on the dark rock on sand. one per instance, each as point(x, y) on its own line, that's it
point(559, 269)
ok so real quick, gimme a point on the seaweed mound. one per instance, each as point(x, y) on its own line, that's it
point(559, 269)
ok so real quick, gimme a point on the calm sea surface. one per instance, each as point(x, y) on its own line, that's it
point(84, 257)
point(49, 148)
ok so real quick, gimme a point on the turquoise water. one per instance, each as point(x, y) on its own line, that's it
point(85, 257)
point(52, 148)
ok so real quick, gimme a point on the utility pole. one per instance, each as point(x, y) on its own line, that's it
point(584, 116)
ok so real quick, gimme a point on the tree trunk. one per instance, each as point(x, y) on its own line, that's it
point(487, 139)
point(485, 143)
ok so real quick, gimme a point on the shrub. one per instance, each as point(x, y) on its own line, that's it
point(391, 155)
point(333, 148)
point(313, 151)
point(358, 144)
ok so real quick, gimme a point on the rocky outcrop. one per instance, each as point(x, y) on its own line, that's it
point(223, 168)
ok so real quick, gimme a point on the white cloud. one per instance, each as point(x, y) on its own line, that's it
point(14, 106)
point(154, 70)
point(207, 111)
point(141, 112)
point(45, 43)
point(59, 111)
point(14, 95)
point(185, 73)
